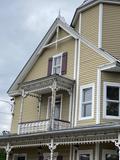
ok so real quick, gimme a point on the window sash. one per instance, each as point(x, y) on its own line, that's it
point(89, 101)
point(56, 66)
point(112, 101)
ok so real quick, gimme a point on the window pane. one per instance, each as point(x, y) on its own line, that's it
point(87, 94)
point(112, 109)
point(86, 110)
point(57, 60)
point(112, 93)
point(57, 110)
point(112, 157)
point(84, 157)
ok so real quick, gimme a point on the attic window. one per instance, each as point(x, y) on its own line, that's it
point(58, 64)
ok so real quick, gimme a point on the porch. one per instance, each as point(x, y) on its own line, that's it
point(42, 126)
point(54, 99)
point(101, 142)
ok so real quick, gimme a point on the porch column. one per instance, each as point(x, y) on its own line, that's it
point(70, 108)
point(8, 149)
point(97, 151)
point(52, 147)
point(21, 106)
point(53, 105)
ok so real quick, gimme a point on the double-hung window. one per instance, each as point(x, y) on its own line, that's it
point(86, 101)
point(111, 100)
point(57, 64)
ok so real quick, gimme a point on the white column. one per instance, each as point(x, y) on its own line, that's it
point(52, 147)
point(117, 144)
point(70, 106)
point(97, 151)
point(53, 106)
point(21, 106)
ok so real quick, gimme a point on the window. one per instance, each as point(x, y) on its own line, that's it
point(57, 64)
point(85, 155)
point(112, 100)
point(58, 104)
point(86, 101)
point(109, 155)
point(20, 157)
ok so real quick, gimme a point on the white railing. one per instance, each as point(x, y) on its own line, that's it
point(41, 126)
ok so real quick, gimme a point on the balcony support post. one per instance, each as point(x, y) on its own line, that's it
point(52, 147)
point(54, 88)
point(21, 106)
point(39, 106)
point(70, 106)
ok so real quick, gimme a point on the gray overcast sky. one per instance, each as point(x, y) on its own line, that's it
point(23, 25)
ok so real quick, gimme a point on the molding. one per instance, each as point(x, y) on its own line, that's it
point(92, 85)
point(98, 96)
point(100, 25)
point(78, 75)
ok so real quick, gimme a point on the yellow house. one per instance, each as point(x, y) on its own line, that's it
point(67, 96)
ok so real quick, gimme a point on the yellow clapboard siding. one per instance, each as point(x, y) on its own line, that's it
point(111, 29)
point(89, 62)
point(89, 24)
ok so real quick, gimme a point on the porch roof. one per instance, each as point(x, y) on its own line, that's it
point(43, 85)
point(81, 135)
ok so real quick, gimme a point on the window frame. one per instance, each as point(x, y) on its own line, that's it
point(91, 85)
point(20, 154)
point(107, 151)
point(53, 66)
point(111, 84)
point(59, 95)
point(89, 151)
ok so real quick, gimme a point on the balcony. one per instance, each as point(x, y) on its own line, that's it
point(41, 126)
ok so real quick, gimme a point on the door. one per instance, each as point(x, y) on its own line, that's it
point(57, 108)
point(85, 155)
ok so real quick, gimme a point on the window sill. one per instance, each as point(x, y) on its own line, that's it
point(111, 117)
point(85, 118)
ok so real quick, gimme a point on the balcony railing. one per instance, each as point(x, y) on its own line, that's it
point(41, 126)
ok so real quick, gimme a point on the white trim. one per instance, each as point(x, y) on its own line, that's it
point(55, 56)
point(107, 151)
point(97, 151)
point(98, 89)
point(57, 41)
point(90, 151)
point(75, 60)
point(20, 154)
point(78, 75)
point(92, 85)
point(59, 95)
point(100, 25)
point(104, 99)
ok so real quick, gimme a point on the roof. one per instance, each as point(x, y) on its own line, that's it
point(90, 3)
